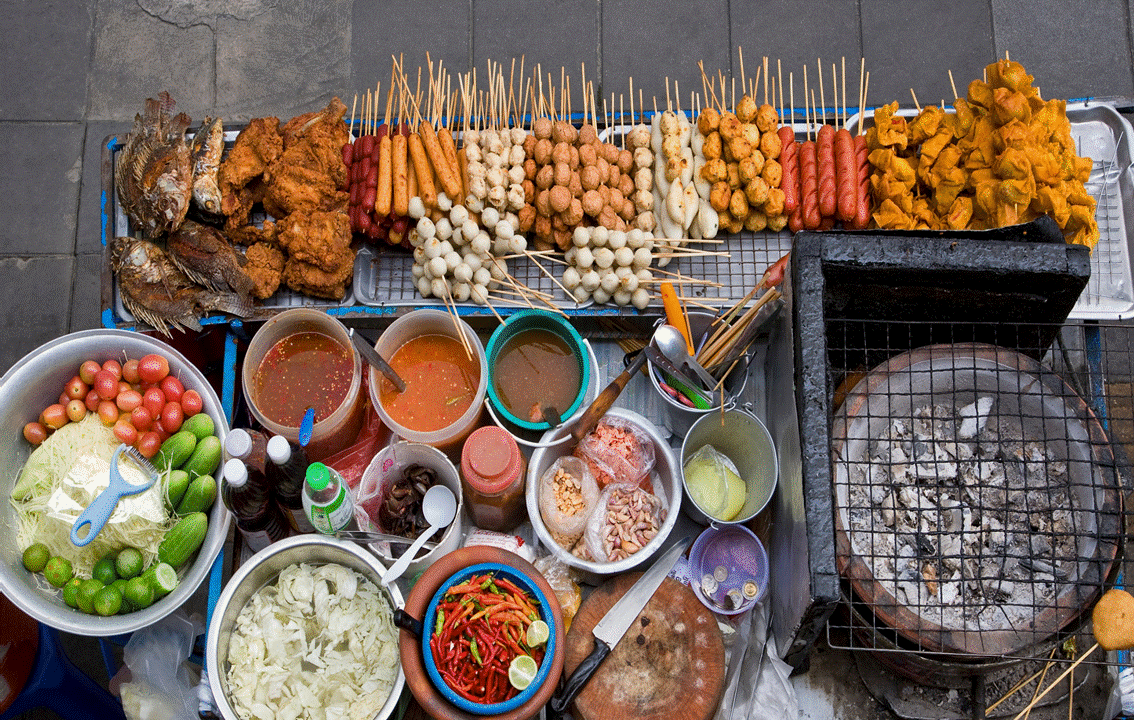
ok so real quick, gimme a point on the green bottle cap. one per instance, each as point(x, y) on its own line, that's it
point(318, 476)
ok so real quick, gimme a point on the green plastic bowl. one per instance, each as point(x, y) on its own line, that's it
point(530, 320)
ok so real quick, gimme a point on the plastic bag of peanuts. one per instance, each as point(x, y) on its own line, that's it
point(567, 494)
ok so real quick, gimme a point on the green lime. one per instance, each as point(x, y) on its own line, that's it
point(58, 571)
point(71, 592)
point(108, 601)
point(522, 671)
point(163, 578)
point(86, 595)
point(104, 571)
point(139, 593)
point(538, 633)
point(129, 563)
point(36, 557)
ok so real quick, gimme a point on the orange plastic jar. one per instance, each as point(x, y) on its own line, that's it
point(492, 479)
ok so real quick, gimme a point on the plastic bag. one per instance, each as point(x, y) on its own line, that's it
point(565, 514)
point(161, 685)
point(617, 450)
point(713, 483)
point(563, 583)
point(625, 519)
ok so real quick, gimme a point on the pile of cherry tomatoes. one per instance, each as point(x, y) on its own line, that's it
point(138, 398)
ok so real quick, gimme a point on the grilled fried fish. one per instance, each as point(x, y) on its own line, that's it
point(206, 256)
point(154, 171)
point(206, 151)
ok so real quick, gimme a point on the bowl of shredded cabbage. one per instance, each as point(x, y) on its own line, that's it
point(43, 512)
point(304, 629)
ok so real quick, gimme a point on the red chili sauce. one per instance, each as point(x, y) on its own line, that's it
point(441, 382)
point(306, 369)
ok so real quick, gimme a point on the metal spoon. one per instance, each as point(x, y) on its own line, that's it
point(439, 507)
point(672, 344)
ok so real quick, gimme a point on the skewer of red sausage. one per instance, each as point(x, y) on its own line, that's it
point(862, 165)
point(846, 175)
point(809, 186)
point(825, 162)
point(789, 162)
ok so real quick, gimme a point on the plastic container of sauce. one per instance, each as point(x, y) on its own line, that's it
point(492, 479)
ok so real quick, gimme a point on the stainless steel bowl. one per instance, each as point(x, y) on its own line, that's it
point(32, 384)
point(262, 569)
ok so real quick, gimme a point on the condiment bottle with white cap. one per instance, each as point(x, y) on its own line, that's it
point(287, 468)
point(249, 500)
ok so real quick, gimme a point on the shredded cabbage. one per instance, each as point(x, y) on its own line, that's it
point(63, 476)
point(318, 644)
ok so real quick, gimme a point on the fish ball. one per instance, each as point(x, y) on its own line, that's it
point(599, 236)
point(473, 261)
point(571, 278)
point(570, 254)
point(416, 208)
point(634, 238)
point(452, 260)
point(474, 203)
point(604, 257)
point(516, 154)
point(417, 271)
point(443, 228)
point(419, 256)
point(438, 267)
point(489, 217)
point(444, 203)
point(424, 286)
point(622, 297)
point(461, 291)
point(518, 244)
point(623, 257)
point(608, 281)
point(640, 298)
point(471, 137)
point(600, 296)
point(504, 229)
point(518, 135)
point(629, 282)
point(478, 293)
point(472, 151)
point(477, 171)
point(470, 228)
point(481, 243)
point(482, 276)
point(462, 273)
point(426, 229)
point(617, 239)
point(501, 247)
point(581, 294)
point(446, 247)
point(440, 288)
point(415, 240)
point(458, 215)
point(644, 276)
point(498, 196)
point(432, 248)
point(498, 268)
point(581, 237)
point(642, 259)
point(589, 280)
point(492, 161)
point(584, 258)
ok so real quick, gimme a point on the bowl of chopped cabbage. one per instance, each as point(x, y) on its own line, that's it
point(33, 383)
point(305, 629)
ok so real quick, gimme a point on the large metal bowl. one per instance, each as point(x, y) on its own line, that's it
point(32, 384)
point(262, 569)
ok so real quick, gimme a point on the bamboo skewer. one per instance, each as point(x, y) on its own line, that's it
point(953, 85)
point(1056, 681)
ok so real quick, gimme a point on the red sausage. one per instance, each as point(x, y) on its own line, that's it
point(789, 161)
point(809, 186)
point(795, 220)
point(825, 162)
point(862, 213)
point(846, 175)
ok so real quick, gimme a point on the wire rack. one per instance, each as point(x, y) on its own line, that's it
point(978, 483)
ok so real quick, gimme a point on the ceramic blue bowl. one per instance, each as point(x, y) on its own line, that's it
point(518, 579)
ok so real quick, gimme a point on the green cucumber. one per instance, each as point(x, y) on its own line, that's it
point(183, 539)
point(200, 495)
point(178, 482)
point(201, 425)
point(175, 451)
point(205, 459)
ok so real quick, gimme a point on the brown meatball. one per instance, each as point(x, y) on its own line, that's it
point(529, 144)
point(592, 203)
point(771, 145)
point(587, 155)
point(739, 148)
point(610, 152)
point(560, 199)
point(712, 148)
point(756, 221)
point(616, 198)
point(746, 109)
point(757, 192)
point(564, 131)
point(773, 172)
point(562, 238)
point(527, 216)
point(543, 149)
point(604, 169)
point(767, 119)
point(562, 174)
point(738, 204)
point(751, 133)
point(609, 219)
point(775, 203)
point(530, 168)
point(626, 185)
point(719, 196)
point(573, 215)
point(561, 153)
point(542, 226)
point(545, 178)
point(625, 160)
point(730, 126)
point(588, 134)
point(628, 211)
point(575, 184)
point(573, 160)
point(543, 202)
point(715, 170)
point(590, 177)
point(541, 128)
point(708, 121)
point(747, 170)
point(604, 191)
point(615, 176)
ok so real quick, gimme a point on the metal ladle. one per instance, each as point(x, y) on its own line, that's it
point(439, 507)
point(671, 343)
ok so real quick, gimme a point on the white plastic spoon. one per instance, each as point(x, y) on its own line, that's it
point(439, 507)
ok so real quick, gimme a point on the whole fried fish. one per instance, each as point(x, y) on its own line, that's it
point(155, 291)
point(154, 170)
point(206, 256)
point(206, 150)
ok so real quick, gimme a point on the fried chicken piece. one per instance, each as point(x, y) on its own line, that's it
point(310, 173)
point(256, 147)
point(265, 265)
point(320, 259)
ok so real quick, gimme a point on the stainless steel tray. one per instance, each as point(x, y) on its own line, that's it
point(1104, 136)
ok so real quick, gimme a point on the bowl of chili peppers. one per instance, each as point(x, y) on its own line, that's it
point(479, 625)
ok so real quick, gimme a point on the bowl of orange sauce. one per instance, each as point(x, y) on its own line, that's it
point(445, 384)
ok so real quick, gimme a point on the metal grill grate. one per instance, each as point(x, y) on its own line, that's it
point(978, 483)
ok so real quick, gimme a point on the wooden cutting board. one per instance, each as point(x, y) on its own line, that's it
point(669, 664)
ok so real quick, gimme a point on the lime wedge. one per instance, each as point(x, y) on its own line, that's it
point(538, 633)
point(522, 671)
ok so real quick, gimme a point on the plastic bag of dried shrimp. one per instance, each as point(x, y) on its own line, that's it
point(617, 450)
point(567, 494)
point(625, 519)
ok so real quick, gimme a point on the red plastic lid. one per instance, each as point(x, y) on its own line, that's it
point(490, 459)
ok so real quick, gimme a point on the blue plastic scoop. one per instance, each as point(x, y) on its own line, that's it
point(95, 517)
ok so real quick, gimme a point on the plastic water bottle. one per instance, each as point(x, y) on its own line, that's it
point(287, 470)
point(327, 501)
point(249, 499)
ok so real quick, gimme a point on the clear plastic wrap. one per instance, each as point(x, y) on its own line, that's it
point(618, 451)
point(567, 494)
point(624, 521)
point(563, 583)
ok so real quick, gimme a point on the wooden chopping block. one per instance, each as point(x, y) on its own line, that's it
point(669, 664)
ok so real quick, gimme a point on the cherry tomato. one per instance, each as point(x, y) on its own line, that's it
point(154, 401)
point(125, 432)
point(123, 386)
point(114, 367)
point(87, 371)
point(76, 410)
point(130, 374)
point(149, 443)
point(191, 403)
point(92, 400)
point(162, 433)
point(64, 398)
point(35, 433)
point(172, 388)
point(106, 384)
point(76, 389)
point(172, 417)
point(55, 416)
point(127, 400)
point(108, 412)
point(142, 418)
point(153, 368)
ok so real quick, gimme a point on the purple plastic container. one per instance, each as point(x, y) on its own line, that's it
point(730, 569)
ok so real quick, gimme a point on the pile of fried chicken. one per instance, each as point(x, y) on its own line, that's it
point(1005, 156)
point(297, 174)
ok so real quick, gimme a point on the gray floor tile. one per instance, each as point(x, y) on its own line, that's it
point(916, 44)
point(86, 300)
point(35, 294)
point(137, 55)
point(89, 235)
point(1098, 29)
point(564, 35)
point(47, 47)
point(289, 60)
point(408, 28)
point(774, 29)
point(663, 42)
point(43, 162)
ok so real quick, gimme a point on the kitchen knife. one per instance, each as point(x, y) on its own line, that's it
point(370, 355)
point(614, 625)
